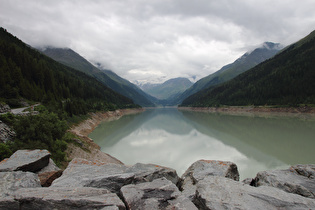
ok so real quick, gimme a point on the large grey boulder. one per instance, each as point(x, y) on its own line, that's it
point(12, 181)
point(26, 160)
point(83, 173)
point(158, 194)
point(64, 198)
point(149, 172)
point(299, 179)
point(204, 168)
point(221, 193)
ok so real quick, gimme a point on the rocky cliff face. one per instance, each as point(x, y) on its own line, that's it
point(6, 133)
point(206, 184)
point(4, 108)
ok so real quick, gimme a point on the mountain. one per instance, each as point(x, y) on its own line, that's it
point(72, 59)
point(168, 89)
point(286, 79)
point(26, 73)
point(242, 64)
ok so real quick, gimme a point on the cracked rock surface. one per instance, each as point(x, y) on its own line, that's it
point(207, 184)
point(298, 179)
point(158, 194)
point(110, 176)
point(221, 193)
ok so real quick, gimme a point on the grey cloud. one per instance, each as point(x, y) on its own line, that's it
point(158, 39)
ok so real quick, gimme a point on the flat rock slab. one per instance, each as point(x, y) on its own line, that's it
point(83, 173)
point(298, 179)
point(12, 181)
point(26, 160)
point(158, 194)
point(64, 198)
point(221, 193)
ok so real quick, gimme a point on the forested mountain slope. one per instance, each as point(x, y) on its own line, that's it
point(227, 72)
point(107, 77)
point(27, 73)
point(286, 79)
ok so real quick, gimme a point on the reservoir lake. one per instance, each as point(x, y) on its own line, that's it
point(176, 139)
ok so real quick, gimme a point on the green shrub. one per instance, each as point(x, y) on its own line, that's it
point(7, 118)
point(42, 131)
point(5, 151)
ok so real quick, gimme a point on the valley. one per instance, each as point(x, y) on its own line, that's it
point(189, 105)
point(257, 112)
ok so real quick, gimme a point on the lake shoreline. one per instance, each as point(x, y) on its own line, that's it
point(85, 127)
point(304, 111)
point(90, 150)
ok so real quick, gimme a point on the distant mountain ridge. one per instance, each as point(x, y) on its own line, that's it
point(167, 89)
point(72, 59)
point(227, 72)
point(286, 79)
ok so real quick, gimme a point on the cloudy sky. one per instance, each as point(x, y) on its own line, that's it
point(155, 40)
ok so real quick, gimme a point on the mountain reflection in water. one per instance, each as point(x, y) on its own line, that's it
point(176, 139)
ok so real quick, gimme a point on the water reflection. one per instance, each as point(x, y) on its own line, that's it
point(176, 139)
point(289, 139)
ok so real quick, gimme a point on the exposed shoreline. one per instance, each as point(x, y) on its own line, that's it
point(305, 111)
point(84, 128)
point(87, 126)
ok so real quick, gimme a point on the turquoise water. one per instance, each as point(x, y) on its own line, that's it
point(176, 139)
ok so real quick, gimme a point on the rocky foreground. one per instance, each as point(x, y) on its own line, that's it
point(30, 180)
